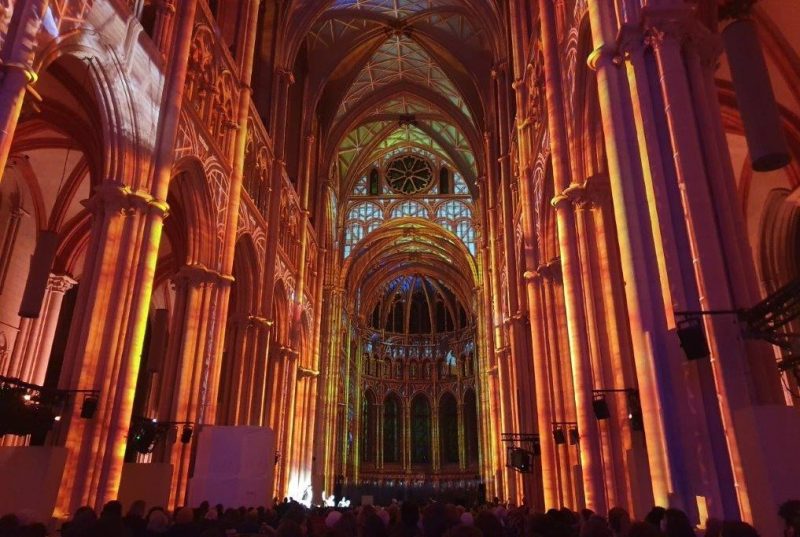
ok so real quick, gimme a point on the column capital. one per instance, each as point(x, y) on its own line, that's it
point(167, 6)
point(580, 196)
point(602, 56)
point(705, 44)
point(115, 197)
point(60, 283)
point(261, 321)
point(667, 25)
point(550, 270)
point(558, 200)
point(532, 276)
point(27, 71)
point(286, 76)
point(198, 273)
point(304, 372)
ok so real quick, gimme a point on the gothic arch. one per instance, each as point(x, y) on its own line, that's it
point(190, 224)
point(121, 117)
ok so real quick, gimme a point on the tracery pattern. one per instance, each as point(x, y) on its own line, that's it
point(401, 58)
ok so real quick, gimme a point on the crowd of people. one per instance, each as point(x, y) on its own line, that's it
point(407, 519)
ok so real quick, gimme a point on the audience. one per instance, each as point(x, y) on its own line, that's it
point(400, 519)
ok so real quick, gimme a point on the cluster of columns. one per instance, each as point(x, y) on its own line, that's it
point(113, 305)
point(651, 229)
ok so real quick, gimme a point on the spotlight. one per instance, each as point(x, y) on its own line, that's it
point(186, 435)
point(635, 411)
point(27, 397)
point(693, 339)
point(558, 436)
point(56, 418)
point(573, 436)
point(520, 459)
point(145, 436)
point(600, 406)
point(89, 407)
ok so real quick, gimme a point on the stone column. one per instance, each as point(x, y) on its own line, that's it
point(436, 456)
point(105, 341)
point(32, 348)
point(107, 332)
point(288, 417)
point(621, 369)
point(163, 30)
point(236, 335)
point(462, 453)
point(406, 411)
point(556, 385)
point(188, 359)
point(283, 80)
point(17, 69)
point(9, 241)
point(612, 459)
point(542, 382)
point(259, 359)
point(653, 358)
point(379, 434)
point(591, 461)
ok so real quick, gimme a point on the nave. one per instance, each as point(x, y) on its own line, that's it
point(537, 253)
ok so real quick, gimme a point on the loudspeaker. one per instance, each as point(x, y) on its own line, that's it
point(693, 339)
point(520, 459)
point(600, 406)
point(559, 437)
point(89, 407)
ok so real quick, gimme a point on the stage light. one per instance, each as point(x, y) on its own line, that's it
point(600, 406)
point(145, 436)
point(635, 411)
point(520, 459)
point(186, 434)
point(558, 436)
point(27, 397)
point(56, 418)
point(89, 407)
point(573, 436)
point(693, 339)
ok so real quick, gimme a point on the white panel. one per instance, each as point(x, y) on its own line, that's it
point(31, 477)
point(234, 466)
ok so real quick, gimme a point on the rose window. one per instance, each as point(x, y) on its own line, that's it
point(409, 174)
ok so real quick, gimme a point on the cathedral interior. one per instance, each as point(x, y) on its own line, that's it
point(543, 251)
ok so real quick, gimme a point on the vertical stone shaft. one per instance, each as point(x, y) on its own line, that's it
point(591, 462)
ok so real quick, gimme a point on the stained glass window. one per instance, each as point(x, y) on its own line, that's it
point(459, 185)
point(410, 209)
point(361, 187)
point(453, 210)
point(444, 180)
point(362, 219)
point(374, 182)
point(448, 433)
point(368, 427)
point(471, 426)
point(420, 430)
point(391, 430)
point(408, 174)
point(466, 232)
